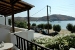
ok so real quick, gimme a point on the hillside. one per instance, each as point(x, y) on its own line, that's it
point(57, 17)
point(25, 19)
point(54, 17)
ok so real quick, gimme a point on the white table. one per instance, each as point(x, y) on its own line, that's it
point(7, 46)
point(72, 49)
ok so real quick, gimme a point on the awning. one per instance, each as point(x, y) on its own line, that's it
point(20, 6)
point(11, 7)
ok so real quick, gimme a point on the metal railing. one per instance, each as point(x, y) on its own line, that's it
point(24, 44)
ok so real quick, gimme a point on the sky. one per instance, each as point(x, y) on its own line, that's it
point(64, 7)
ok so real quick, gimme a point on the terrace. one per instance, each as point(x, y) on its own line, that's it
point(21, 38)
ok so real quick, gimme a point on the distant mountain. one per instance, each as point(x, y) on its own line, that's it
point(54, 17)
point(25, 19)
point(20, 19)
point(57, 17)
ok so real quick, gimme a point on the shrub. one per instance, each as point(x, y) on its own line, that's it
point(58, 42)
point(16, 23)
point(73, 29)
point(33, 24)
point(41, 26)
point(46, 26)
point(56, 28)
point(22, 24)
point(69, 27)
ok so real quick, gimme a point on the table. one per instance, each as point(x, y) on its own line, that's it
point(72, 49)
point(7, 46)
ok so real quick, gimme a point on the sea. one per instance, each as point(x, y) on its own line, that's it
point(63, 24)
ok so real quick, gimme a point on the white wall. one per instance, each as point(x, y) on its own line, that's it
point(29, 35)
point(2, 20)
point(4, 35)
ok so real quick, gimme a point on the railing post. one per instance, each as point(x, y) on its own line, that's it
point(36, 47)
point(28, 46)
point(31, 46)
point(17, 41)
point(21, 44)
point(24, 44)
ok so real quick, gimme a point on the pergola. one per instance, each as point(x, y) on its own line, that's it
point(11, 7)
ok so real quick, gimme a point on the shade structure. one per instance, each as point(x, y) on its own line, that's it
point(19, 6)
point(11, 7)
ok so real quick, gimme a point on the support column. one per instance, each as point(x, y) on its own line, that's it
point(28, 20)
point(47, 19)
point(5, 20)
point(12, 7)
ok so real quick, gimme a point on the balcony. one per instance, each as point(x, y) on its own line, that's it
point(21, 39)
point(24, 44)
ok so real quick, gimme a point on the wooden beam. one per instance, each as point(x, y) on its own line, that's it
point(9, 4)
point(25, 5)
point(13, 29)
point(7, 10)
point(16, 11)
point(14, 1)
point(28, 20)
point(2, 13)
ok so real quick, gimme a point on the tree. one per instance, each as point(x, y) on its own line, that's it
point(9, 21)
point(73, 29)
point(69, 27)
point(46, 26)
point(16, 23)
point(41, 26)
point(33, 24)
point(56, 28)
point(21, 24)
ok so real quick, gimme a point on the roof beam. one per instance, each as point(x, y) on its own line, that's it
point(13, 1)
point(17, 11)
point(2, 13)
point(9, 3)
point(5, 7)
point(8, 11)
point(24, 4)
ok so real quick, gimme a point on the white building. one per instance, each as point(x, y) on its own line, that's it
point(2, 20)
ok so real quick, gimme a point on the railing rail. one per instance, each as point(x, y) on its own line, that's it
point(24, 44)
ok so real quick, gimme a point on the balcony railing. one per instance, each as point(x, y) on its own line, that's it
point(24, 44)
